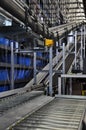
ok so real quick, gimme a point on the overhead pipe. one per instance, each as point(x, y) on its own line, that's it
point(8, 15)
point(19, 12)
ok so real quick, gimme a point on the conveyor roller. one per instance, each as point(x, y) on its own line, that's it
point(59, 114)
point(16, 100)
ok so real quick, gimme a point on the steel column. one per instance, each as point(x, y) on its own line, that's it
point(68, 46)
point(75, 48)
point(12, 67)
point(63, 79)
point(50, 69)
point(58, 13)
point(81, 50)
point(17, 47)
point(34, 62)
point(84, 41)
point(70, 86)
point(59, 85)
point(63, 58)
point(57, 53)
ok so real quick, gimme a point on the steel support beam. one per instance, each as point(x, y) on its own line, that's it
point(50, 70)
point(81, 57)
point(76, 12)
point(34, 65)
point(17, 47)
point(75, 48)
point(12, 66)
point(57, 53)
point(63, 58)
point(63, 79)
point(84, 39)
point(70, 86)
point(59, 85)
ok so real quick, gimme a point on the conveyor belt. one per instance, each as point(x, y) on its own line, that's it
point(16, 100)
point(68, 63)
point(59, 114)
point(42, 77)
point(70, 59)
point(20, 111)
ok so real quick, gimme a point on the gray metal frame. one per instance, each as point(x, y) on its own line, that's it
point(70, 90)
point(50, 70)
point(12, 66)
point(63, 79)
point(84, 40)
point(57, 52)
point(34, 65)
point(59, 85)
point(63, 58)
point(81, 55)
point(75, 48)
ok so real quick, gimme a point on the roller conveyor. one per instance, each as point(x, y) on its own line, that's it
point(21, 110)
point(59, 114)
point(16, 100)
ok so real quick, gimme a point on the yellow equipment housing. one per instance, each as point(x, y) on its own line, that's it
point(49, 42)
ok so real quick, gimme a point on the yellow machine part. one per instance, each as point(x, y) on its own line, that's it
point(49, 42)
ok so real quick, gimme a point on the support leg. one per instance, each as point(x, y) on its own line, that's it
point(59, 85)
point(63, 79)
point(75, 49)
point(70, 86)
point(12, 67)
point(34, 62)
point(50, 70)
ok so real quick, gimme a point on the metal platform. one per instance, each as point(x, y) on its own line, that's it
point(62, 113)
